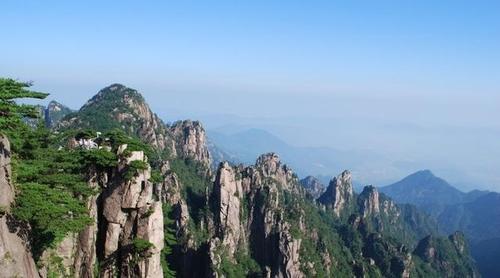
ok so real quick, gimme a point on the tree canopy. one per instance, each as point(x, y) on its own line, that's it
point(11, 112)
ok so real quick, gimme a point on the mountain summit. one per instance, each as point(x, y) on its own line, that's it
point(424, 190)
point(118, 107)
point(139, 199)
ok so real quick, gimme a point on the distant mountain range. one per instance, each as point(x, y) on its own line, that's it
point(476, 213)
point(113, 191)
point(50, 114)
point(244, 145)
point(429, 192)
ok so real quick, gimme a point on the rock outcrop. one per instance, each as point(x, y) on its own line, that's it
point(313, 186)
point(191, 141)
point(54, 113)
point(227, 196)
point(441, 254)
point(339, 194)
point(16, 259)
point(120, 107)
point(131, 213)
point(124, 212)
point(6, 189)
point(369, 201)
point(117, 106)
point(247, 203)
point(270, 166)
point(243, 221)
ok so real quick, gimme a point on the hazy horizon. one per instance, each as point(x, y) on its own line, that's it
point(415, 83)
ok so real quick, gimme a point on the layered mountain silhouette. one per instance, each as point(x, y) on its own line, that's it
point(476, 213)
point(151, 203)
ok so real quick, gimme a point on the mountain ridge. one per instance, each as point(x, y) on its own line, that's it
point(476, 213)
point(145, 202)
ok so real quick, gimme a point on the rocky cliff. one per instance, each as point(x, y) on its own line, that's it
point(143, 202)
point(191, 140)
point(339, 194)
point(442, 255)
point(55, 112)
point(16, 259)
point(313, 186)
point(118, 107)
point(248, 217)
point(125, 237)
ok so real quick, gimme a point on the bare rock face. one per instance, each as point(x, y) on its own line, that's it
point(170, 193)
point(124, 211)
point(125, 107)
point(313, 186)
point(227, 193)
point(54, 112)
point(369, 201)
point(191, 141)
point(271, 167)
point(150, 228)
point(15, 258)
point(459, 242)
point(339, 193)
point(249, 216)
point(131, 212)
point(289, 254)
point(118, 106)
point(6, 189)
point(426, 249)
point(85, 256)
point(77, 252)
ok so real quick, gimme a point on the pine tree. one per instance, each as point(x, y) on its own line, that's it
point(12, 113)
point(170, 241)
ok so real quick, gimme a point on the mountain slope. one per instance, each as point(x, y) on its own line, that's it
point(55, 112)
point(313, 186)
point(424, 190)
point(104, 205)
point(118, 107)
point(479, 219)
point(476, 213)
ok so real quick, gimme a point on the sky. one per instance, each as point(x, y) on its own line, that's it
point(414, 80)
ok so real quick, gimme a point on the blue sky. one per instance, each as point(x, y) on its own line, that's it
point(382, 67)
point(365, 47)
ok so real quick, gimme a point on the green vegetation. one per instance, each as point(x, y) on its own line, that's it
point(244, 266)
point(447, 258)
point(195, 184)
point(56, 115)
point(55, 267)
point(101, 159)
point(141, 250)
point(117, 137)
point(52, 190)
point(156, 176)
point(50, 182)
point(97, 115)
point(134, 167)
point(170, 242)
point(141, 246)
point(52, 213)
point(329, 241)
point(192, 175)
point(12, 113)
